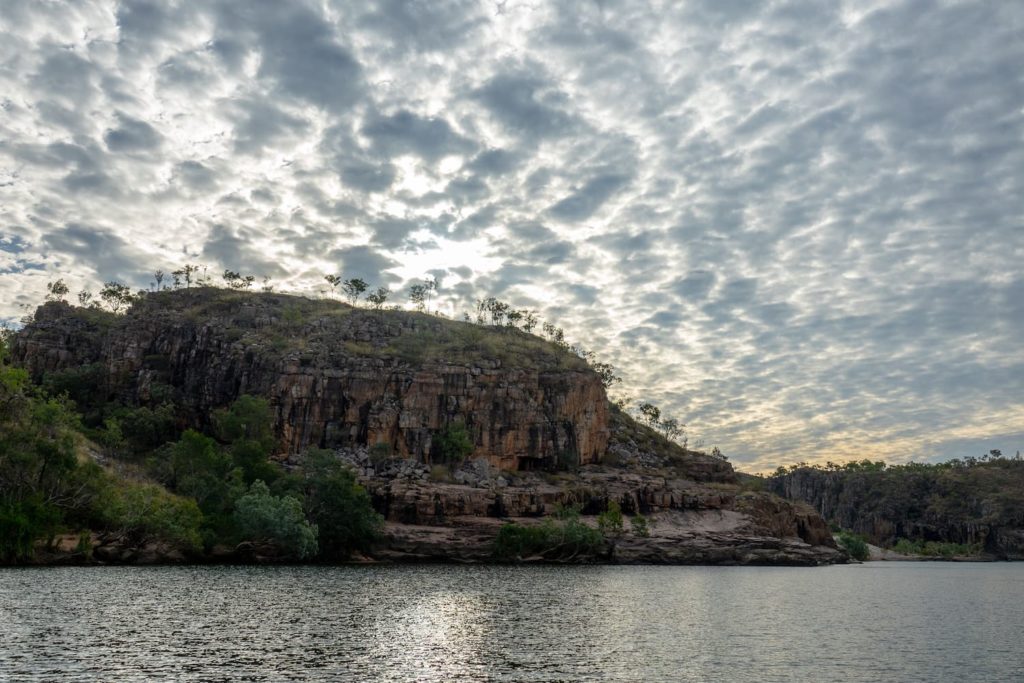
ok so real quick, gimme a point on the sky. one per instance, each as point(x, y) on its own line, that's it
point(797, 227)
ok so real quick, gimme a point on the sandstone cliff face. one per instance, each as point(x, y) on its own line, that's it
point(336, 376)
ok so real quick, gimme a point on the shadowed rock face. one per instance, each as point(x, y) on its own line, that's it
point(336, 376)
point(981, 505)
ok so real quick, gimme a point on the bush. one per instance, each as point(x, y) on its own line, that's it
point(609, 522)
point(339, 506)
point(453, 444)
point(147, 512)
point(562, 539)
point(380, 453)
point(905, 546)
point(279, 520)
point(855, 545)
point(21, 524)
point(641, 526)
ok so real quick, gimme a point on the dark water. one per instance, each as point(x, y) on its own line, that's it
point(877, 622)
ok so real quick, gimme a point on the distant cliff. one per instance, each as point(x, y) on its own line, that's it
point(974, 503)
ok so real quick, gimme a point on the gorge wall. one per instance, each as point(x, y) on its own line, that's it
point(982, 505)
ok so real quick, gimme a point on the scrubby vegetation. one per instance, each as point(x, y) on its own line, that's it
point(560, 538)
point(185, 489)
point(854, 544)
point(936, 549)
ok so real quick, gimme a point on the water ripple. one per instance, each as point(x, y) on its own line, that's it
point(876, 622)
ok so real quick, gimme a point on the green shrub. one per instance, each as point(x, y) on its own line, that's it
point(905, 546)
point(279, 520)
point(339, 506)
point(380, 453)
point(147, 512)
point(558, 539)
point(453, 444)
point(641, 526)
point(855, 545)
point(609, 522)
point(21, 524)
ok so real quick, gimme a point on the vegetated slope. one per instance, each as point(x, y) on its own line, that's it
point(457, 431)
point(976, 503)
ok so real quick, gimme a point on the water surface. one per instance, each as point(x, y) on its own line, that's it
point(875, 622)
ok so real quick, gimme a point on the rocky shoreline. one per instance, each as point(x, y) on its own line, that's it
point(455, 516)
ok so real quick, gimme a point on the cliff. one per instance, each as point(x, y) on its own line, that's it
point(978, 504)
point(378, 388)
point(336, 376)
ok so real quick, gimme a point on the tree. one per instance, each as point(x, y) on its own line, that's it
point(609, 522)
point(607, 374)
point(353, 288)
point(555, 334)
point(430, 287)
point(529, 321)
point(199, 469)
point(418, 296)
point(671, 428)
point(338, 505)
point(279, 520)
point(185, 273)
point(453, 444)
point(158, 276)
point(117, 296)
point(333, 281)
point(650, 413)
point(378, 297)
point(85, 298)
point(247, 427)
point(56, 291)
point(237, 281)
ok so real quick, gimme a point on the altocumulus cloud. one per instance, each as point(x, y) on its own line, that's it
point(795, 226)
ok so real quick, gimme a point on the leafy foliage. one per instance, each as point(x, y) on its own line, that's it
point(143, 512)
point(562, 539)
point(854, 544)
point(279, 520)
point(609, 522)
point(339, 507)
point(906, 546)
point(453, 444)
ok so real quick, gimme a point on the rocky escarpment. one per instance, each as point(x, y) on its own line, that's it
point(981, 505)
point(336, 376)
point(379, 387)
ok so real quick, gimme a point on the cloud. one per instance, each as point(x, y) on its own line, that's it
point(526, 104)
point(132, 135)
point(405, 132)
point(796, 227)
point(583, 202)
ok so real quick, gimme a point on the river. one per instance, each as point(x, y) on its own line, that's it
point(872, 622)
